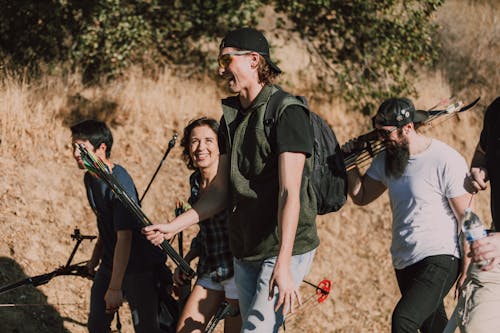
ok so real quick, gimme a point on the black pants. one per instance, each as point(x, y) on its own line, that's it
point(142, 296)
point(423, 286)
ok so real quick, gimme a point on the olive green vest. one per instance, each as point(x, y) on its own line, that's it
point(254, 184)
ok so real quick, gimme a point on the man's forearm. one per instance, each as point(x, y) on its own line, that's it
point(120, 258)
point(215, 197)
point(213, 201)
point(288, 217)
point(291, 166)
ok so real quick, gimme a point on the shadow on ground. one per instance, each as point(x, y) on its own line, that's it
point(24, 309)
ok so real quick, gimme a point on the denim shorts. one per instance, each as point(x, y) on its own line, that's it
point(252, 280)
point(228, 285)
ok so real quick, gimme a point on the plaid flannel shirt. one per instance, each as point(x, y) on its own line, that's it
point(216, 258)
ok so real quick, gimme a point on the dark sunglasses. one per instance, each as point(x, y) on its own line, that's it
point(384, 133)
point(226, 58)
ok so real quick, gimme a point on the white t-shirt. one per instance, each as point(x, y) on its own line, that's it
point(423, 223)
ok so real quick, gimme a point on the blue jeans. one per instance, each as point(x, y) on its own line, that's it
point(252, 280)
point(142, 296)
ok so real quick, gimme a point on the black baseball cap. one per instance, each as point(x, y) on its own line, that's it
point(398, 112)
point(249, 39)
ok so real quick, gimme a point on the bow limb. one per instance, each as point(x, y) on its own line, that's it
point(98, 166)
point(368, 145)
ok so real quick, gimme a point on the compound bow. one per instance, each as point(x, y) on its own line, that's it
point(368, 145)
point(98, 168)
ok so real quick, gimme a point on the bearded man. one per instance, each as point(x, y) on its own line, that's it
point(425, 178)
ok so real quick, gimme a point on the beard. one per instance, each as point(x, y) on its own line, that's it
point(396, 159)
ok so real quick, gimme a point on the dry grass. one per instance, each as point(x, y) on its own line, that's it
point(470, 33)
point(42, 197)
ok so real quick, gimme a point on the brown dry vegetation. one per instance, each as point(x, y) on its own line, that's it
point(42, 197)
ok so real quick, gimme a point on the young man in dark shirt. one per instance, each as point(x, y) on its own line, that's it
point(265, 184)
point(128, 263)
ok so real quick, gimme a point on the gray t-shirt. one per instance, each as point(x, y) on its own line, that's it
point(423, 221)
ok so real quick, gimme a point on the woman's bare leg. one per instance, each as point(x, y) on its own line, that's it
point(200, 307)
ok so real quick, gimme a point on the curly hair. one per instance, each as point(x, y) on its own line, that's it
point(203, 121)
point(265, 72)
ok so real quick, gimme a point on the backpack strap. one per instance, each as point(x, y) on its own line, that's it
point(271, 114)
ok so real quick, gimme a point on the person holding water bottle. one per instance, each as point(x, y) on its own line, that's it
point(479, 303)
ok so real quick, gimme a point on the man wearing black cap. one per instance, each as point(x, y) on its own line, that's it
point(425, 179)
point(264, 183)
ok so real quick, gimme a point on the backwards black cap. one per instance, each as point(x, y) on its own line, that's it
point(398, 112)
point(249, 39)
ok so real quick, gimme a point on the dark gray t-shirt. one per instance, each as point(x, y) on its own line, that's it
point(293, 132)
point(113, 216)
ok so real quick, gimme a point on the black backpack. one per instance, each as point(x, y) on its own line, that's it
point(328, 176)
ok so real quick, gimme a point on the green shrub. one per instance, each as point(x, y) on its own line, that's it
point(369, 49)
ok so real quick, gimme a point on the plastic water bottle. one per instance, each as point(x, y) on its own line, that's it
point(472, 226)
point(473, 229)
